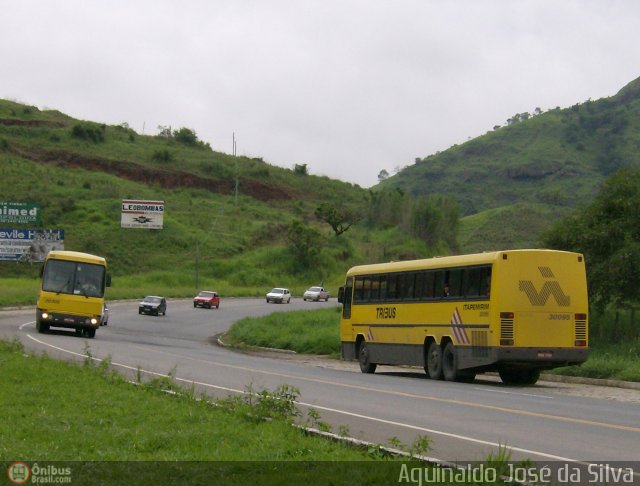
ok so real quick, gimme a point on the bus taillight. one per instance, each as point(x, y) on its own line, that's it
point(581, 343)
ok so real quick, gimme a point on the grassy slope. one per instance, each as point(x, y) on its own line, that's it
point(238, 242)
point(539, 168)
point(131, 433)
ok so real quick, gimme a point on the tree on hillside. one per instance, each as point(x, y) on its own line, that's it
point(305, 244)
point(383, 175)
point(340, 220)
point(186, 136)
point(434, 219)
point(301, 169)
point(608, 234)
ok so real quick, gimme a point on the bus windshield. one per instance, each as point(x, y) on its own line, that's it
point(66, 277)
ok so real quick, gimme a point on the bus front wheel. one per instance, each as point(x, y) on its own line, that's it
point(433, 365)
point(41, 327)
point(366, 366)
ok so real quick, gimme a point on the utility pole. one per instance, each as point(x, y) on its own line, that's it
point(197, 261)
point(236, 162)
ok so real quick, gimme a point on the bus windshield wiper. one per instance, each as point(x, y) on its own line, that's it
point(65, 285)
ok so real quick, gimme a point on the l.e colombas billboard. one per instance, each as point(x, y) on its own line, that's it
point(29, 245)
point(142, 214)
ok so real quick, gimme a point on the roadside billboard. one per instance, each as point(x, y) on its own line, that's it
point(29, 245)
point(19, 212)
point(142, 214)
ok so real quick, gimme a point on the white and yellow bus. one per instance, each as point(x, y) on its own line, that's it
point(516, 312)
point(72, 292)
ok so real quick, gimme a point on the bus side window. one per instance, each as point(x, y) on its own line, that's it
point(485, 282)
point(383, 288)
point(375, 288)
point(391, 287)
point(472, 277)
point(366, 289)
point(455, 282)
point(420, 285)
point(357, 291)
point(438, 284)
point(429, 284)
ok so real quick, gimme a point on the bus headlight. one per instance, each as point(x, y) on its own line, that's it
point(94, 321)
point(45, 315)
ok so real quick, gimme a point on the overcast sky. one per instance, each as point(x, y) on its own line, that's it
point(348, 87)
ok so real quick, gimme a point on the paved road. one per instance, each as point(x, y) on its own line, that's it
point(464, 421)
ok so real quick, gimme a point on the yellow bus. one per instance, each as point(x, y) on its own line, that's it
point(516, 312)
point(72, 292)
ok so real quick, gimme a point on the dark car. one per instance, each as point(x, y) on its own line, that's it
point(154, 305)
point(207, 299)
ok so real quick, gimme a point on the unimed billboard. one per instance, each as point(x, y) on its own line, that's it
point(142, 214)
point(19, 212)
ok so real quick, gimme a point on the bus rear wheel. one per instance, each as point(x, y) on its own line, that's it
point(366, 366)
point(450, 369)
point(433, 365)
point(520, 377)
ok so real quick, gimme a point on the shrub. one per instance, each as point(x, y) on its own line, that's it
point(162, 156)
point(89, 132)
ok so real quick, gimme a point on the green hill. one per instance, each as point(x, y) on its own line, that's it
point(79, 172)
point(516, 180)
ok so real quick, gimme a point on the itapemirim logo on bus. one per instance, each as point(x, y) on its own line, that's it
point(20, 473)
point(19, 212)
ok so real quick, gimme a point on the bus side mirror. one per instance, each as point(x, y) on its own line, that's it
point(41, 271)
point(341, 295)
point(107, 282)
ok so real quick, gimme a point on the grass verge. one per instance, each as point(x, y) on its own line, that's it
point(318, 332)
point(91, 420)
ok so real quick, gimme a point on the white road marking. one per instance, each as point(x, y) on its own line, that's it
point(343, 412)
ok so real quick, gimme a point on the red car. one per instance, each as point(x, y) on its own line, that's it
point(208, 299)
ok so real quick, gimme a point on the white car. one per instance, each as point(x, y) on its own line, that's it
point(279, 295)
point(316, 293)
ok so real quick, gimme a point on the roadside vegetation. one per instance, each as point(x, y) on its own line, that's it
point(160, 433)
point(615, 352)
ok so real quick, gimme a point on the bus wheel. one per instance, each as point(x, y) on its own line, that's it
point(450, 369)
point(41, 327)
point(433, 365)
point(519, 377)
point(90, 333)
point(449, 363)
point(366, 366)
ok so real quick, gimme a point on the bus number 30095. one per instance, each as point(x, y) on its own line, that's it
point(386, 312)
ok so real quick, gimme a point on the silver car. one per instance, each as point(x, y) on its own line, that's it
point(279, 295)
point(316, 294)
